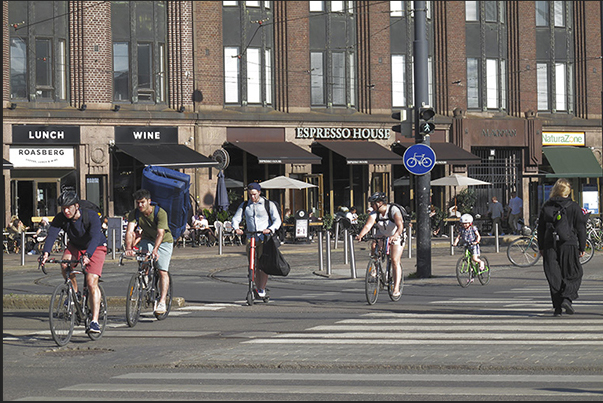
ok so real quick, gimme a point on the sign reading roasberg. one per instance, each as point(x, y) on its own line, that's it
point(341, 133)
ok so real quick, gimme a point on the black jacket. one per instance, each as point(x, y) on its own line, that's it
point(576, 218)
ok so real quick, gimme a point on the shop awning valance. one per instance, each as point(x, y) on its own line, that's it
point(277, 152)
point(572, 162)
point(6, 164)
point(168, 155)
point(362, 152)
point(446, 153)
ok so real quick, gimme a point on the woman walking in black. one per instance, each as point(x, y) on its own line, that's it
point(561, 240)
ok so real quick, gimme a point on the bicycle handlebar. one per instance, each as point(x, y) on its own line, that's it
point(140, 255)
point(42, 266)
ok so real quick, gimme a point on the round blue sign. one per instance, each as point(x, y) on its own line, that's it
point(419, 159)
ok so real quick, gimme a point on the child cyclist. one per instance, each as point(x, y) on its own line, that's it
point(471, 236)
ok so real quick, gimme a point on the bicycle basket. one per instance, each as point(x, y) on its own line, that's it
point(526, 231)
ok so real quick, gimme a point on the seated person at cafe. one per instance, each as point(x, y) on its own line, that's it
point(201, 227)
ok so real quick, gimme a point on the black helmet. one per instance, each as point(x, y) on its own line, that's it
point(67, 198)
point(377, 196)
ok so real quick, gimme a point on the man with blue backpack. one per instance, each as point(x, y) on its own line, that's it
point(156, 238)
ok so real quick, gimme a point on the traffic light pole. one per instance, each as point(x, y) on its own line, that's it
point(422, 182)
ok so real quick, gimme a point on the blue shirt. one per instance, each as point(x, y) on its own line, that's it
point(79, 237)
point(256, 216)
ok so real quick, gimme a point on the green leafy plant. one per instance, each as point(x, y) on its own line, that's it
point(465, 200)
point(327, 221)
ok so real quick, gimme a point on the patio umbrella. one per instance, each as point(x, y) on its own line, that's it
point(457, 180)
point(221, 201)
point(284, 182)
point(233, 183)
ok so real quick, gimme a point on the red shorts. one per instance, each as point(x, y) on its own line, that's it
point(96, 261)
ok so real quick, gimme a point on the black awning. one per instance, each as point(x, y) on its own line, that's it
point(278, 152)
point(167, 155)
point(6, 164)
point(362, 152)
point(446, 153)
point(572, 162)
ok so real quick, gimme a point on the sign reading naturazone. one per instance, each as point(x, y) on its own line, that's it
point(563, 138)
point(341, 133)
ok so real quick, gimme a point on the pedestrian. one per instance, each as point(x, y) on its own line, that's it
point(86, 241)
point(515, 212)
point(260, 216)
point(561, 241)
point(496, 211)
point(156, 238)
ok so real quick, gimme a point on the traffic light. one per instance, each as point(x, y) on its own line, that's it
point(425, 116)
point(405, 126)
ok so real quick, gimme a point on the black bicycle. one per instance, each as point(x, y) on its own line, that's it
point(379, 273)
point(143, 289)
point(68, 309)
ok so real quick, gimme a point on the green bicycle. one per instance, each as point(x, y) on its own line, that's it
point(467, 269)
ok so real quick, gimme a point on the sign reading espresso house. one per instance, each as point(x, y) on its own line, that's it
point(341, 133)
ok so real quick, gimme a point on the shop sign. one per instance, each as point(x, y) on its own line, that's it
point(42, 157)
point(563, 138)
point(146, 135)
point(37, 134)
point(341, 133)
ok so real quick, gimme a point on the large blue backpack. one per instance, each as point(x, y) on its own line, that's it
point(170, 189)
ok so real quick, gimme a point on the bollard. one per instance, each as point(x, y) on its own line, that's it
point(409, 237)
point(220, 240)
point(496, 238)
point(451, 240)
point(328, 242)
point(23, 248)
point(320, 253)
point(113, 245)
point(352, 257)
point(336, 234)
point(345, 246)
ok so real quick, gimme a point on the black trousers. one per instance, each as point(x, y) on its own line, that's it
point(563, 272)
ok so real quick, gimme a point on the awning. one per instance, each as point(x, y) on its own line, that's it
point(278, 152)
point(168, 155)
point(362, 152)
point(446, 153)
point(6, 164)
point(572, 162)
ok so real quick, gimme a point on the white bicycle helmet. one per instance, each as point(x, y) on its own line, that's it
point(466, 218)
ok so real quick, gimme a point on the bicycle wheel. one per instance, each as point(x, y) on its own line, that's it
point(371, 281)
point(484, 277)
point(589, 252)
point(134, 300)
point(390, 283)
point(168, 299)
point(61, 315)
point(102, 315)
point(523, 252)
point(463, 272)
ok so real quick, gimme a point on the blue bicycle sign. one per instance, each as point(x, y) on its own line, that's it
point(419, 159)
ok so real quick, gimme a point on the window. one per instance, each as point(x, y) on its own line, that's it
point(401, 49)
point(247, 53)
point(38, 53)
point(139, 30)
point(486, 43)
point(555, 70)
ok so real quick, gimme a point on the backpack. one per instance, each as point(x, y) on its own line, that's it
point(85, 207)
point(560, 227)
point(170, 191)
point(280, 233)
point(405, 215)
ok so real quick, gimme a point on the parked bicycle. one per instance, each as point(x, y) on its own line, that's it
point(253, 264)
point(379, 273)
point(68, 309)
point(143, 289)
point(467, 269)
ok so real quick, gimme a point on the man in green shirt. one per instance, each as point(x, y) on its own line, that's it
point(156, 237)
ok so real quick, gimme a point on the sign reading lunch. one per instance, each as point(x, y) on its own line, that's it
point(342, 133)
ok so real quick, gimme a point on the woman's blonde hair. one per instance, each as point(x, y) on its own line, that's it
point(561, 188)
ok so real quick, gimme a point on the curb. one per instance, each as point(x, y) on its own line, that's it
point(36, 301)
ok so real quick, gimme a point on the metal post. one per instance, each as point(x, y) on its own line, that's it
point(220, 240)
point(328, 241)
point(113, 246)
point(345, 246)
point(352, 257)
point(23, 248)
point(496, 238)
point(409, 237)
point(451, 240)
point(320, 252)
point(336, 234)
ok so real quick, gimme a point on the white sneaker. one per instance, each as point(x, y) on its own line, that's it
point(261, 293)
point(161, 309)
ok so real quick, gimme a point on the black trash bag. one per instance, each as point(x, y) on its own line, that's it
point(272, 260)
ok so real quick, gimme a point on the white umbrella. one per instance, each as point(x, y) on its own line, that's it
point(233, 183)
point(284, 182)
point(457, 180)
